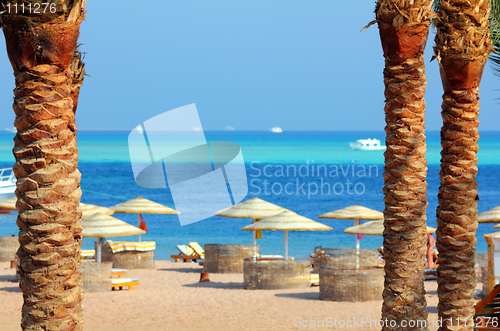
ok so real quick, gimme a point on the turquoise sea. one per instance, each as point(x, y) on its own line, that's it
point(306, 161)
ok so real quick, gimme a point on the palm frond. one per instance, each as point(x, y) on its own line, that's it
point(435, 7)
point(495, 35)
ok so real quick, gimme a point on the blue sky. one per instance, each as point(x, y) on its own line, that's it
point(252, 65)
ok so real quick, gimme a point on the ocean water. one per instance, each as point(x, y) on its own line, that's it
point(310, 173)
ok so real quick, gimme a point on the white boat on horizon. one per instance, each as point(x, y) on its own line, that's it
point(367, 145)
point(276, 129)
point(7, 184)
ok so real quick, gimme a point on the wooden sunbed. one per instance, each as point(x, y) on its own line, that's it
point(88, 254)
point(124, 282)
point(197, 249)
point(186, 258)
point(488, 311)
point(186, 254)
point(118, 272)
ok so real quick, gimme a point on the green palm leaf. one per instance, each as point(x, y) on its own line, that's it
point(495, 35)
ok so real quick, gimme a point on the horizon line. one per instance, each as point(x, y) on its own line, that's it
point(263, 130)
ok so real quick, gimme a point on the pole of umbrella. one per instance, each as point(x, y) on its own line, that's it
point(254, 233)
point(357, 222)
point(286, 245)
point(98, 251)
point(254, 237)
point(139, 226)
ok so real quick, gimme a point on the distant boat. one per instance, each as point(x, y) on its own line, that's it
point(13, 129)
point(7, 184)
point(276, 129)
point(367, 145)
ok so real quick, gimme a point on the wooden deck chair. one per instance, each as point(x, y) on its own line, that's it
point(186, 254)
point(314, 279)
point(88, 253)
point(124, 282)
point(197, 249)
point(185, 250)
point(118, 272)
point(488, 311)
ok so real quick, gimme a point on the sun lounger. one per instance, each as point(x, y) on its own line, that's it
point(118, 272)
point(185, 250)
point(123, 246)
point(197, 249)
point(314, 279)
point(88, 253)
point(186, 254)
point(124, 282)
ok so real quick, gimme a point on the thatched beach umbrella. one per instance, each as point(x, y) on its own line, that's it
point(287, 221)
point(355, 213)
point(374, 228)
point(141, 206)
point(490, 216)
point(255, 209)
point(9, 204)
point(88, 210)
point(102, 226)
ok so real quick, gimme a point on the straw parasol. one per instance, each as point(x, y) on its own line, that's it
point(141, 206)
point(490, 216)
point(355, 213)
point(287, 221)
point(9, 204)
point(255, 209)
point(101, 225)
point(88, 210)
point(374, 228)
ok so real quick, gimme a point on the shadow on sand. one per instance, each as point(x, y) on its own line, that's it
point(8, 278)
point(184, 270)
point(432, 309)
point(302, 296)
point(12, 289)
point(223, 286)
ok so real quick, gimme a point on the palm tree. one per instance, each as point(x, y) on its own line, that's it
point(41, 44)
point(404, 28)
point(462, 48)
point(495, 35)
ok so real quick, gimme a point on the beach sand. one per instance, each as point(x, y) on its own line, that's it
point(171, 298)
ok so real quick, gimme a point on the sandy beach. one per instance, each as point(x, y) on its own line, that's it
point(171, 298)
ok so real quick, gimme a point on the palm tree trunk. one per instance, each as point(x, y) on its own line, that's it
point(404, 28)
point(40, 49)
point(462, 48)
